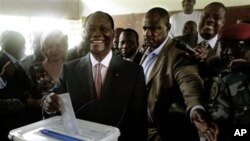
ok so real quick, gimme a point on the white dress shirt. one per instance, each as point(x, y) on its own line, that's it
point(212, 42)
point(131, 59)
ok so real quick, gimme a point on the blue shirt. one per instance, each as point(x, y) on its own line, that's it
point(151, 59)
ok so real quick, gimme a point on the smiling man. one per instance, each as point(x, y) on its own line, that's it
point(206, 44)
point(211, 23)
point(104, 88)
point(206, 41)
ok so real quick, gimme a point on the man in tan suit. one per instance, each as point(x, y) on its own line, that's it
point(173, 84)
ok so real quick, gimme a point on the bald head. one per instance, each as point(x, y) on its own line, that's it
point(99, 34)
point(100, 13)
point(13, 42)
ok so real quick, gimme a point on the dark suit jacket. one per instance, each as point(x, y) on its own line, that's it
point(123, 99)
point(17, 88)
point(173, 78)
point(192, 40)
point(75, 53)
point(17, 84)
point(138, 57)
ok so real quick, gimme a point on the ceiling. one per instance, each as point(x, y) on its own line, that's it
point(74, 9)
point(118, 7)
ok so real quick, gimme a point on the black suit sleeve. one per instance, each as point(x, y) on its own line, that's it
point(60, 86)
point(138, 109)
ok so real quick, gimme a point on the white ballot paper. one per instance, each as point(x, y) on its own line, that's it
point(68, 115)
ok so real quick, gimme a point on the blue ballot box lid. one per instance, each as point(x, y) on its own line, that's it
point(52, 129)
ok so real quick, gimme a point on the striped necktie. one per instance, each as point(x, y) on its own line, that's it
point(205, 44)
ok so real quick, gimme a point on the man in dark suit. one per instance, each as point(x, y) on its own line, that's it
point(171, 80)
point(207, 56)
point(121, 101)
point(211, 23)
point(14, 83)
point(128, 45)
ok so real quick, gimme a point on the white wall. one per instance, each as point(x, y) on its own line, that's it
point(117, 7)
point(68, 9)
point(74, 9)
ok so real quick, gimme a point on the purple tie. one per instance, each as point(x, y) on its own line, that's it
point(98, 79)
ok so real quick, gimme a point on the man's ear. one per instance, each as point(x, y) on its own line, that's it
point(113, 33)
point(168, 26)
point(83, 33)
point(224, 21)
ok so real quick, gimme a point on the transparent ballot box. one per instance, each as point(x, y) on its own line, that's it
point(52, 129)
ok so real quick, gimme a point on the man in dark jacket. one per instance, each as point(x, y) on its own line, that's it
point(14, 83)
point(115, 98)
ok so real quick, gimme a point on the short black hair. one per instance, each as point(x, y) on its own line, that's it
point(191, 22)
point(119, 28)
point(100, 12)
point(130, 30)
point(193, 0)
point(218, 4)
point(163, 13)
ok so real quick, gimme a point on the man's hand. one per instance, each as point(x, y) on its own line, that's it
point(51, 104)
point(202, 54)
point(198, 117)
point(8, 70)
point(237, 61)
point(210, 129)
point(213, 132)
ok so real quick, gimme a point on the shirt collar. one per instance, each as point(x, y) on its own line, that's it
point(158, 50)
point(13, 59)
point(212, 42)
point(105, 61)
point(132, 57)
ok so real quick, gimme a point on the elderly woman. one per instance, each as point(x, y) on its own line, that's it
point(45, 74)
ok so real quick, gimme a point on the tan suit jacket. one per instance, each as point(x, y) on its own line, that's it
point(172, 78)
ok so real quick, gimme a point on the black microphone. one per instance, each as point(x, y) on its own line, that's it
point(184, 46)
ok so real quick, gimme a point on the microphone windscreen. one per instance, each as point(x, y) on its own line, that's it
point(184, 46)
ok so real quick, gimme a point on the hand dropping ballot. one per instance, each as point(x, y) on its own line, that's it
point(65, 128)
point(68, 115)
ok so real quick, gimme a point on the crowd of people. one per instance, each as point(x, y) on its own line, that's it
point(157, 92)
